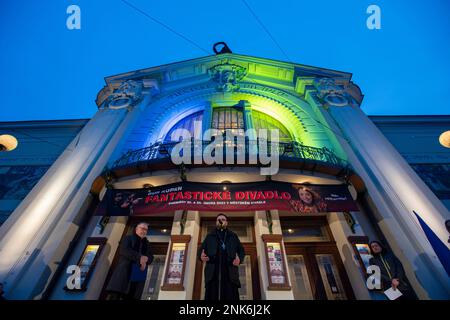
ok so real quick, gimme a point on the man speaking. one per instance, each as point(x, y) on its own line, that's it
point(222, 252)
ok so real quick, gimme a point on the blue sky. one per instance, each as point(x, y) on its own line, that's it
point(50, 72)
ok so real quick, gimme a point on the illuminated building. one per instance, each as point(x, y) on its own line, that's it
point(325, 139)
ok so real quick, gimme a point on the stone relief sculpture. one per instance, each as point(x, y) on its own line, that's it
point(227, 76)
point(126, 95)
point(330, 92)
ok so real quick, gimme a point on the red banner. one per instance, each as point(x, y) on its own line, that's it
point(265, 195)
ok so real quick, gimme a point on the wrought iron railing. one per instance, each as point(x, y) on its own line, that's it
point(287, 150)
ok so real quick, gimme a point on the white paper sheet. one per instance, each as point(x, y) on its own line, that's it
point(393, 294)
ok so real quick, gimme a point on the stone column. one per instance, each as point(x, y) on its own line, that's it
point(35, 238)
point(341, 231)
point(396, 189)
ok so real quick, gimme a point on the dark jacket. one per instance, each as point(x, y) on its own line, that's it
point(128, 254)
point(390, 268)
point(233, 247)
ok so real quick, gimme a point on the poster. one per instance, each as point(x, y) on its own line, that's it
point(175, 269)
point(364, 252)
point(265, 195)
point(276, 269)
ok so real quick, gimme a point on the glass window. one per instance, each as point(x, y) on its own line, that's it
point(298, 273)
point(228, 118)
point(436, 176)
point(243, 229)
point(245, 277)
point(154, 278)
point(158, 231)
point(297, 231)
point(185, 123)
point(330, 277)
point(264, 121)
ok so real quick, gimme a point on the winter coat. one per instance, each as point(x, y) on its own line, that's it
point(233, 247)
point(128, 254)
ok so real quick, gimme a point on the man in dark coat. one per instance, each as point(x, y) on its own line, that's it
point(222, 252)
point(391, 269)
point(134, 250)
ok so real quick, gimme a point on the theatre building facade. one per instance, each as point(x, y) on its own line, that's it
point(305, 205)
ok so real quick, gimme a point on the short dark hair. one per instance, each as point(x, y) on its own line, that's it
point(222, 214)
point(383, 249)
point(141, 222)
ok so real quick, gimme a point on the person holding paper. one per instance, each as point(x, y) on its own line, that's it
point(128, 279)
point(392, 272)
point(222, 252)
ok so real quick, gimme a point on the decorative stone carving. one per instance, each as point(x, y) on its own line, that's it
point(330, 92)
point(126, 95)
point(227, 76)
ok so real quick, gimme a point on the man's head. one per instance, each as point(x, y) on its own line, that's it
point(141, 229)
point(118, 197)
point(376, 247)
point(221, 221)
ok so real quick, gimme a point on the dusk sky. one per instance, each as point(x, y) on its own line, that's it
point(50, 72)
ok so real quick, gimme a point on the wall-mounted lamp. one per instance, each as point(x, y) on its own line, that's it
point(7, 142)
point(444, 139)
point(225, 187)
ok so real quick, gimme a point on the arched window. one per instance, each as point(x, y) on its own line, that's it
point(264, 121)
point(225, 118)
point(186, 123)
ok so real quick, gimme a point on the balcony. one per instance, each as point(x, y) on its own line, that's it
point(288, 151)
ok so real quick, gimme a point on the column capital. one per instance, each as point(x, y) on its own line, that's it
point(125, 94)
point(327, 91)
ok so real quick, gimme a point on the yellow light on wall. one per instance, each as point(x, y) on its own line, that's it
point(7, 142)
point(444, 139)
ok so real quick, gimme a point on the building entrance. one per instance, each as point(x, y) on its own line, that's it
point(315, 268)
point(248, 270)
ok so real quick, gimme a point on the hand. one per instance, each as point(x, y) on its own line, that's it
point(204, 257)
point(395, 283)
point(236, 261)
point(143, 261)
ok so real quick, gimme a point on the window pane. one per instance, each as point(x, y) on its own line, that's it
point(187, 124)
point(296, 233)
point(263, 121)
point(227, 118)
point(154, 278)
point(298, 273)
point(243, 229)
point(330, 277)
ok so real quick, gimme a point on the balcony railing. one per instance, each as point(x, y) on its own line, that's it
point(287, 150)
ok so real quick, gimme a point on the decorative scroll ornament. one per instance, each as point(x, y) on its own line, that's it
point(126, 95)
point(330, 92)
point(227, 76)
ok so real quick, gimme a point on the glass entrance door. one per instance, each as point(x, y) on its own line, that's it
point(298, 273)
point(154, 278)
point(316, 275)
point(315, 267)
point(245, 277)
point(248, 269)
